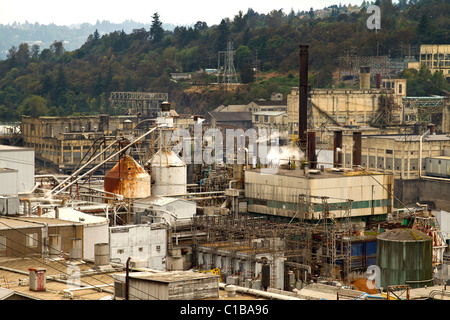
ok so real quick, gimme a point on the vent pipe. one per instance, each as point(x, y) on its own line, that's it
point(356, 149)
point(312, 150)
point(364, 78)
point(337, 149)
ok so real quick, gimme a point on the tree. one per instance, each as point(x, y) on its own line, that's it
point(34, 106)
point(96, 35)
point(222, 37)
point(35, 49)
point(57, 48)
point(239, 22)
point(201, 26)
point(23, 55)
point(156, 30)
point(247, 73)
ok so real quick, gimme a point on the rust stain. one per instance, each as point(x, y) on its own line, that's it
point(128, 178)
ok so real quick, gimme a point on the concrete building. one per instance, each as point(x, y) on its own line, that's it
point(270, 120)
point(347, 107)
point(241, 120)
point(18, 164)
point(181, 285)
point(278, 194)
point(436, 57)
point(64, 141)
point(28, 236)
point(95, 229)
point(403, 156)
point(426, 110)
point(143, 242)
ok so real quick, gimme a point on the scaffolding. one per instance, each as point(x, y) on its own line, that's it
point(321, 247)
point(229, 77)
point(145, 104)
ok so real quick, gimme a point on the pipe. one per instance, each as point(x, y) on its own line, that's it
point(81, 168)
point(231, 182)
point(337, 149)
point(357, 154)
point(312, 150)
point(420, 151)
point(260, 293)
point(101, 163)
point(127, 279)
point(303, 96)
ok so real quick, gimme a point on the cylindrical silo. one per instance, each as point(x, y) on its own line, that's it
point(405, 257)
point(168, 172)
point(129, 179)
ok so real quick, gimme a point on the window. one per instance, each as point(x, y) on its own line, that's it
point(256, 118)
point(400, 88)
point(32, 240)
point(2, 243)
point(266, 118)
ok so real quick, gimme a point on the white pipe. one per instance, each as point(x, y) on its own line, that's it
point(260, 293)
point(420, 152)
point(231, 182)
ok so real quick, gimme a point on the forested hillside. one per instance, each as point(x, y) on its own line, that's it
point(54, 81)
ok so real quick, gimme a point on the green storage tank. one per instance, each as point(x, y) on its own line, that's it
point(405, 256)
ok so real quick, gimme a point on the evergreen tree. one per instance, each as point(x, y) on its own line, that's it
point(156, 30)
point(222, 37)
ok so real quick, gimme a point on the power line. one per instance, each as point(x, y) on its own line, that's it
point(42, 262)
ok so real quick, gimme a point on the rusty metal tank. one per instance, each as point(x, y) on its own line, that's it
point(128, 179)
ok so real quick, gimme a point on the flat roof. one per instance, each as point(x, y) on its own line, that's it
point(409, 137)
point(169, 276)
point(327, 174)
point(269, 113)
point(4, 147)
point(20, 222)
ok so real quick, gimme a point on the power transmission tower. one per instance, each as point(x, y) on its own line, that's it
point(229, 72)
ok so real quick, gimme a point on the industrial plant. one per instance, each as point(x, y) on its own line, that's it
point(337, 194)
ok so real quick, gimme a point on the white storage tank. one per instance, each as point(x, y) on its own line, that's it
point(169, 173)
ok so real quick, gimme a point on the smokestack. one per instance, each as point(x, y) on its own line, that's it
point(378, 81)
point(312, 150)
point(165, 106)
point(303, 97)
point(337, 149)
point(364, 78)
point(356, 149)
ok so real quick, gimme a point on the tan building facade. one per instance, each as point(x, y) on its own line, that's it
point(64, 141)
point(401, 155)
point(436, 57)
point(347, 107)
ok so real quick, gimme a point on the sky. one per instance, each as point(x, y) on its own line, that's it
point(177, 12)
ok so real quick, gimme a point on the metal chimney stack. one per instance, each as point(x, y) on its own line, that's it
point(357, 145)
point(337, 149)
point(303, 98)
